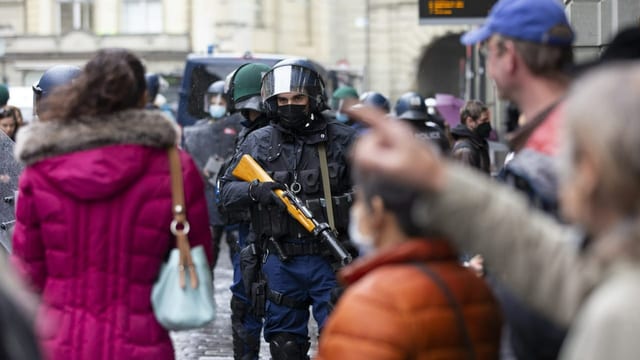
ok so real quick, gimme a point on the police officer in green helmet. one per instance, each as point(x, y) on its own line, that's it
point(243, 92)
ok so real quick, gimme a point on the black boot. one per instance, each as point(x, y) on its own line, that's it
point(245, 345)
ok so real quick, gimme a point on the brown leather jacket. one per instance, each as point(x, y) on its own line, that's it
point(392, 310)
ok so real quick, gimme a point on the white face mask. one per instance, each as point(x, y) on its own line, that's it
point(217, 111)
point(363, 242)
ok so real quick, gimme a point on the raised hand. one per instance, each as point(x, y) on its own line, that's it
point(390, 149)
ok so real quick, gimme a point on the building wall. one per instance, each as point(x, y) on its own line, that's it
point(597, 21)
point(381, 39)
point(397, 44)
point(12, 20)
point(106, 17)
point(40, 45)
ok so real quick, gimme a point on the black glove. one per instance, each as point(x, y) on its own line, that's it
point(262, 192)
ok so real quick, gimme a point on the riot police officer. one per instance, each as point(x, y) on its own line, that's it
point(215, 102)
point(344, 98)
point(52, 78)
point(293, 148)
point(211, 142)
point(411, 108)
point(244, 96)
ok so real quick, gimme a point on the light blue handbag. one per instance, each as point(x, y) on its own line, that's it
point(176, 305)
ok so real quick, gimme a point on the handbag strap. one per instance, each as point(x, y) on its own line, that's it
point(326, 185)
point(457, 309)
point(179, 225)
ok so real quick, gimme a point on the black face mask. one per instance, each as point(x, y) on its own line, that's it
point(245, 122)
point(260, 121)
point(293, 116)
point(484, 130)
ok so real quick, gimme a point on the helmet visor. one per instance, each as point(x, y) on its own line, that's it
point(286, 79)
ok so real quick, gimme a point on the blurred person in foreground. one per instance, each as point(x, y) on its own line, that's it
point(593, 289)
point(527, 45)
point(94, 212)
point(408, 297)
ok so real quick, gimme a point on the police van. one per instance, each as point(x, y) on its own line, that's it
point(201, 70)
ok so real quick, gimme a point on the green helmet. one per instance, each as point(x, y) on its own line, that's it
point(340, 93)
point(345, 92)
point(244, 88)
point(4, 95)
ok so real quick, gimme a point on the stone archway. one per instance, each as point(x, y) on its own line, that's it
point(441, 69)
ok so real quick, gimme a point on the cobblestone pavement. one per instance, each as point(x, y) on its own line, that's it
point(214, 342)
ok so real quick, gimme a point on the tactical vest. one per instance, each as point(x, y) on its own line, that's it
point(294, 162)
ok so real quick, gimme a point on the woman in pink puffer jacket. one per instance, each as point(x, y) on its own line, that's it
point(94, 210)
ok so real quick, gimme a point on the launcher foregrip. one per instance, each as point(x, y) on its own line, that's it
point(249, 170)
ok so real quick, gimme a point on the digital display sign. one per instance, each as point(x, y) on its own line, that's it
point(438, 12)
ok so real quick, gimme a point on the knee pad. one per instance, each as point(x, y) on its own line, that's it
point(285, 346)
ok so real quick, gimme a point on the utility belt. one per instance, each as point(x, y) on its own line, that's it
point(271, 221)
point(284, 250)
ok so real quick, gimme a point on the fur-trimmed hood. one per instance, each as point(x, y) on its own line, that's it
point(41, 140)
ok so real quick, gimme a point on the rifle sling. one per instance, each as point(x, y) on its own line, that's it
point(326, 185)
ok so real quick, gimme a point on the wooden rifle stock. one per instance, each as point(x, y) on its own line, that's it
point(249, 170)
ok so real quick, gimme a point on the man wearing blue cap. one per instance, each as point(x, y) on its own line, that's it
point(527, 47)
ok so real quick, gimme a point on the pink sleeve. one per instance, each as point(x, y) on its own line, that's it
point(28, 255)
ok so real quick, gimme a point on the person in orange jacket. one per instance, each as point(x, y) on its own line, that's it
point(408, 296)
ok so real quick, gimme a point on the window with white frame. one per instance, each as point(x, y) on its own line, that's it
point(141, 17)
point(75, 15)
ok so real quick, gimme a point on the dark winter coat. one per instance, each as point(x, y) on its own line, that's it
point(470, 149)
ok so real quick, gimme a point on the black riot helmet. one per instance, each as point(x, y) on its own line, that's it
point(375, 99)
point(52, 78)
point(294, 75)
point(217, 87)
point(410, 106)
